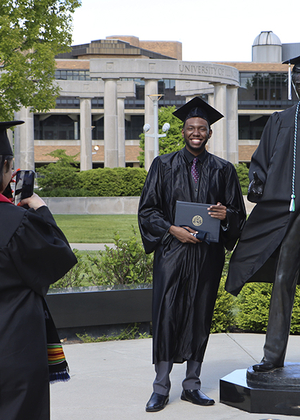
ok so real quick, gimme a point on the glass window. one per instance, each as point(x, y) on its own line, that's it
point(250, 127)
point(72, 75)
point(56, 127)
point(98, 129)
point(67, 102)
point(134, 127)
point(264, 90)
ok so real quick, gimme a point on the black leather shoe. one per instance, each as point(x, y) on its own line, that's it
point(157, 402)
point(265, 366)
point(196, 396)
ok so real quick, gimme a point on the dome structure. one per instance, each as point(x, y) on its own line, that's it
point(266, 38)
point(267, 48)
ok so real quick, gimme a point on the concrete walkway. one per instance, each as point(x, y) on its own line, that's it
point(90, 247)
point(113, 380)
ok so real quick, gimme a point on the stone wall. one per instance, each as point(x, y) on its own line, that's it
point(100, 205)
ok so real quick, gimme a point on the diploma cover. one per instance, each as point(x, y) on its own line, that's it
point(195, 216)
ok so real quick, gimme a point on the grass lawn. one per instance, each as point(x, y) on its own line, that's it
point(96, 228)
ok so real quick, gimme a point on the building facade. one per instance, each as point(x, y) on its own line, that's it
point(106, 92)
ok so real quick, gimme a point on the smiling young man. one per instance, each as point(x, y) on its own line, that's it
point(187, 271)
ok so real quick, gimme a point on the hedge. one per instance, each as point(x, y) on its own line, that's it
point(64, 179)
point(101, 182)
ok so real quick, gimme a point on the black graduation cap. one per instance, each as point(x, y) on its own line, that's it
point(5, 147)
point(296, 62)
point(196, 107)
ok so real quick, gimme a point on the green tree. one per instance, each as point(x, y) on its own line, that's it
point(173, 140)
point(60, 174)
point(32, 32)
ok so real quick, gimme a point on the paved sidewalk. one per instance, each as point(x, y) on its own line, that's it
point(90, 247)
point(113, 380)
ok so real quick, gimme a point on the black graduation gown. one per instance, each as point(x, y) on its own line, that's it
point(33, 254)
point(185, 276)
point(255, 256)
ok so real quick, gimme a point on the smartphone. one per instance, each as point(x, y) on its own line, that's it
point(24, 185)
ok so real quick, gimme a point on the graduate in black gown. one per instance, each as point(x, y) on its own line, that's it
point(269, 247)
point(186, 271)
point(34, 253)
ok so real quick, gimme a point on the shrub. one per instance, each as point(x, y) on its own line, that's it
point(242, 172)
point(60, 174)
point(63, 179)
point(223, 317)
point(295, 322)
point(125, 264)
point(253, 307)
point(113, 182)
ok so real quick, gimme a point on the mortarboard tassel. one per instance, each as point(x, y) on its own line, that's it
point(292, 203)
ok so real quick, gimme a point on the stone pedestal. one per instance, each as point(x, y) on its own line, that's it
point(274, 392)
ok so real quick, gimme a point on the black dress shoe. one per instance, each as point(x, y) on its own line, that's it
point(265, 366)
point(157, 402)
point(196, 396)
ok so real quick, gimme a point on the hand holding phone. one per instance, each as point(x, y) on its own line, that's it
point(24, 185)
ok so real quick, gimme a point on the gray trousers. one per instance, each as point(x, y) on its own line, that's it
point(282, 298)
point(162, 384)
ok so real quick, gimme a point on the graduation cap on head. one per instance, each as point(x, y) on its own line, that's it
point(196, 107)
point(5, 147)
point(296, 62)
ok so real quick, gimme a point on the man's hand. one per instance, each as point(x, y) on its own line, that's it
point(184, 235)
point(217, 211)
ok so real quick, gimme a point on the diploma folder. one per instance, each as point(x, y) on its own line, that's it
point(195, 216)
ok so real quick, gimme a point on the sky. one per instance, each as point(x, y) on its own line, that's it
point(209, 30)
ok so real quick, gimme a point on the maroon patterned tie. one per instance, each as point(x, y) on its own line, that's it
point(194, 170)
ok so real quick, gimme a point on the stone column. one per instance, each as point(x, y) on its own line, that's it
point(220, 127)
point(232, 125)
point(110, 124)
point(151, 88)
point(24, 140)
point(85, 134)
point(211, 141)
point(121, 132)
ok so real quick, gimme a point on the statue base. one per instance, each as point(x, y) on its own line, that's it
point(273, 392)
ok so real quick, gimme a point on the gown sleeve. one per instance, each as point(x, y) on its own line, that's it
point(39, 250)
point(153, 222)
point(261, 157)
point(236, 212)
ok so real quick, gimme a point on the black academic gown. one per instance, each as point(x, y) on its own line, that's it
point(33, 254)
point(255, 256)
point(185, 276)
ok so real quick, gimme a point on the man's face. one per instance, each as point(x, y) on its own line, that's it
point(196, 133)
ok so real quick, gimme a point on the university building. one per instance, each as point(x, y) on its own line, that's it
point(110, 87)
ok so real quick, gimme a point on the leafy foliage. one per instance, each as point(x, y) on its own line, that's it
point(61, 174)
point(63, 179)
point(173, 140)
point(223, 317)
point(242, 172)
point(131, 332)
point(32, 32)
point(113, 182)
point(253, 307)
point(125, 264)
